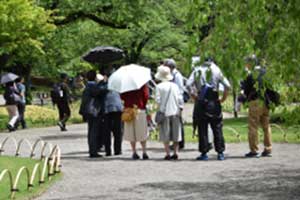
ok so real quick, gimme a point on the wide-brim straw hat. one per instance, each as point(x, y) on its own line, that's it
point(163, 73)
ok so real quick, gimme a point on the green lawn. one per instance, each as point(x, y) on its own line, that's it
point(14, 164)
point(240, 126)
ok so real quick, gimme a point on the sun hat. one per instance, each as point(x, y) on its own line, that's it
point(99, 78)
point(163, 73)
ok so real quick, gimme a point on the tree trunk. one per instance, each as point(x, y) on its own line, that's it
point(234, 104)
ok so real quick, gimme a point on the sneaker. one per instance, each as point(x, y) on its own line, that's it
point(167, 157)
point(266, 154)
point(174, 157)
point(145, 156)
point(95, 156)
point(135, 156)
point(118, 153)
point(60, 124)
point(10, 128)
point(221, 156)
point(203, 156)
point(252, 155)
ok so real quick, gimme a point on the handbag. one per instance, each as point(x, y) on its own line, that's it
point(129, 114)
point(160, 116)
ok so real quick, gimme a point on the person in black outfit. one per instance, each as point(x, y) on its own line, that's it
point(63, 102)
point(112, 122)
point(91, 109)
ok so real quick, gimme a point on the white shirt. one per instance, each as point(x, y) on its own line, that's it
point(198, 77)
point(175, 100)
point(178, 80)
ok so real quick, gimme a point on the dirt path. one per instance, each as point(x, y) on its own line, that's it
point(119, 177)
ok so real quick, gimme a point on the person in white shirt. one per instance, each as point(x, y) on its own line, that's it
point(208, 108)
point(170, 101)
point(178, 80)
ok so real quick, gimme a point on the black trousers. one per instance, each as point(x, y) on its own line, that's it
point(181, 143)
point(210, 112)
point(94, 124)
point(64, 111)
point(113, 124)
point(21, 110)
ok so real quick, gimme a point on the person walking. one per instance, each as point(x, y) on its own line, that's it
point(178, 80)
point(112, 121)
point(22, 105)
point(63, 101)
point(258, 113)
point(12, 99)
point(92, 109)
point(208, 107)
point(170, 101)
point(136, 130)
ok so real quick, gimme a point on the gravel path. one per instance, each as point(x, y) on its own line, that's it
point(119, 177)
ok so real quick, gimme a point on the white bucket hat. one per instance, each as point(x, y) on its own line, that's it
point(99, 78)
point(163, 73)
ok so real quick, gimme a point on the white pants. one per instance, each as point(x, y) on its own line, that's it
point(13, 114)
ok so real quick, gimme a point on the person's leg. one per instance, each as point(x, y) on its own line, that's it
point(22, 113)
point(203, 136)
point(216, 126)
point(13, 116)
point(175, 150)
point(107, 133)
point(253, 121)
point(181, 143)
point(117, 132)
point(93, 136)
point(264, 120)
point(144, 146)
point(66, 113)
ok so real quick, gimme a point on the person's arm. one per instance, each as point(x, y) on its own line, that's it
point(145, 93)
point(225, 94)
point(227, 87)
point(98, 90)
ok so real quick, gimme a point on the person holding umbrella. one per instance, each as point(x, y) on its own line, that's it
point(12, 99)
point(131, 81)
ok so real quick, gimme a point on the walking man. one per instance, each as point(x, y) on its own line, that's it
point(208, 107)
point(62, 93)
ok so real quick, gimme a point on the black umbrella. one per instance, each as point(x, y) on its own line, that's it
point(103, 55)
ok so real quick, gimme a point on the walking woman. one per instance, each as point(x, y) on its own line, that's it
point(12, 99)
point(136, 130)
point(170, 103)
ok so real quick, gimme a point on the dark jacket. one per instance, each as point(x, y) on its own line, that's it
point(248, 85)
point(93, 97)
point(12, 96)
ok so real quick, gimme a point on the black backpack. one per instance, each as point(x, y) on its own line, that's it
point(272, 97)
point(55, 93)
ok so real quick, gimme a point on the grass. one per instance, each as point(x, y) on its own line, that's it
point(41, 116)
point(241, 127)
point(14, 164)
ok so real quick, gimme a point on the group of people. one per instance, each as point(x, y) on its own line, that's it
point(203, 85)
point(105, 110)
point(15, 101)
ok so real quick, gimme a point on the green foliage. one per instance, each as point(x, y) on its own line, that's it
point(23, 26)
